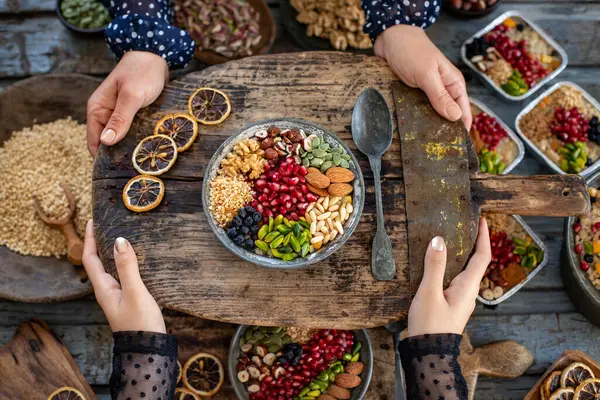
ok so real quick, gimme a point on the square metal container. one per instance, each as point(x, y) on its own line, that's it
point(544, 35)
point(511, 134)
point(533, 273)
point(536, 150)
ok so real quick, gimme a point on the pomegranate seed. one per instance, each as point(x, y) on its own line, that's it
point(584, 266)
point(302, 170)
point(311, 197)
point(293, 181)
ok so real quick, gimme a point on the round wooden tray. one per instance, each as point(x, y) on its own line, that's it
point(42, 99)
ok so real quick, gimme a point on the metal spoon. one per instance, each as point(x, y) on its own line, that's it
point(372, 133)
point(396, 329)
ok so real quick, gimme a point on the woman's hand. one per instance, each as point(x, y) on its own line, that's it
point(435, 310)
point(135, 82)
point(419, 63)
point(128, 306)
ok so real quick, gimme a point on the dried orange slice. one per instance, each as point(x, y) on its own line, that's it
point(209, 106)
point(550, 384)
point(179, 370)
point(203, 374)
point(588, 390)
point(180, 127)
point(563, 394)
point(154, 155)
point(66, 393)
point(574, 374)
point(185, 394)
point(143, 193)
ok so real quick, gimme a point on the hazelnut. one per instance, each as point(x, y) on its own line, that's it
point(261, 134)
point(457, 3)
point(488, 294)
point(270, 153)
point(498, 292)
point(273, 131)
point(253, 371)
point(267, 143)
point(484, 284)
point(243, 376)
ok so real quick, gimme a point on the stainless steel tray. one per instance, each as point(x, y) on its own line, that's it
point(511, 134)
point(533, 273)
point(539, 153)
point(544, 35)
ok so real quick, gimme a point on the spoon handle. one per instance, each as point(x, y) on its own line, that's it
point(383, 266)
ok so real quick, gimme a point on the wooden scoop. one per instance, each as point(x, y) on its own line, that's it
point(66, 226)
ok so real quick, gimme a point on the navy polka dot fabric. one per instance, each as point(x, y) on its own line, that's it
point(145, 25)
point(382, 14)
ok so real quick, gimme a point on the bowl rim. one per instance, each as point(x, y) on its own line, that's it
point(75, 28)
point(579, 275)
point(234, 349)
point(275, 263)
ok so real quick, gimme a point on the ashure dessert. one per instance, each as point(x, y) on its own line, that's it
point(513, 55)
point(277, 363)
point(282, 193)
point(514, 256)
point(494, 147)
point(564, 126)
point(575, 382)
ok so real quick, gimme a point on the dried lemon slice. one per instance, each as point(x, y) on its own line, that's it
point(209, 106)
point(154, 155)
point(550, 384)
point(588, 390)
point(66, 393)
point(179, 370)
point(185, 394)
point(574, 374)
point(203, 374)
point(143, 193)
point(180, 127)
point(563, 394)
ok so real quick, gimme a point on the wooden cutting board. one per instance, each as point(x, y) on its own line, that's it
point(182, 262)
point(35, 363)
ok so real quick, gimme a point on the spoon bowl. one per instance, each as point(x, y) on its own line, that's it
point(372, 124)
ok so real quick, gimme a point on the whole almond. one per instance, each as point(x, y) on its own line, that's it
point(315, 190)
point(326, 397)
point(340, 175)
point(339, 189)
point(355, 368)
point(313, 169)
point(347, 381)
point(318, 180)
point(338, 392)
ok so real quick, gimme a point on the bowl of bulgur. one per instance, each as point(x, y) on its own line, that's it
point(581, 256)
point(43, 145)
point(561, 127)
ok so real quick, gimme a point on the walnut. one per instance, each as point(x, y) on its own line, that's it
point(246, 159)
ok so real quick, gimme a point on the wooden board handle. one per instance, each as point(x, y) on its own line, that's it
point(541, 195)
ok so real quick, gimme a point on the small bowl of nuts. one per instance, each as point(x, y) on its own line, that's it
point(470, 8)
point(283, 193)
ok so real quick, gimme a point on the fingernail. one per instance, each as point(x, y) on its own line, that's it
point(108, 136)
point(437, 243)
point(453, 112)
point(121, 245)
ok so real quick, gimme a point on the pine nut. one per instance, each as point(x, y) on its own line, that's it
point(313, 227)
point(333, 234)
point(310, 207)
point(320, 207)
point(320, 201)
point(313, 216)
point(349, 208)
point(324, 216)
point(326, 203)
point(339, 227)
point(343, 214)
point(316, 239)
point(333, 200)
point(330, 224)
point(334, 215)
point(324, 229)
point(334, 208)
point(326, 238)
point(320, 224)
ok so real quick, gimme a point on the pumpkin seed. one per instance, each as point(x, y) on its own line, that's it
point(248, 334)
point(316, 142)
point(306, 162)
point(329, 157)
point(273, 348)
point(344, 163)
point(325, 166)
point(316, 162)
point(319, 153)
point(346, 157)
point(336, 159)
point(338, 150)
point(310, 156)
point(324, 146)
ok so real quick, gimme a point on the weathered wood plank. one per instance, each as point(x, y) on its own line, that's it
point(26, 6)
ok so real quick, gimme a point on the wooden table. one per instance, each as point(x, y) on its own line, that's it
point(540, 316)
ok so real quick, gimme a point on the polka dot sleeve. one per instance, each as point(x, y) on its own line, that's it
point(146, 25)
point(431, 367)
point(144, 366)
point(382, 14)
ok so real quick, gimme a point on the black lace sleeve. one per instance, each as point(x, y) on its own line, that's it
point(144, 366)
point(431, 367)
